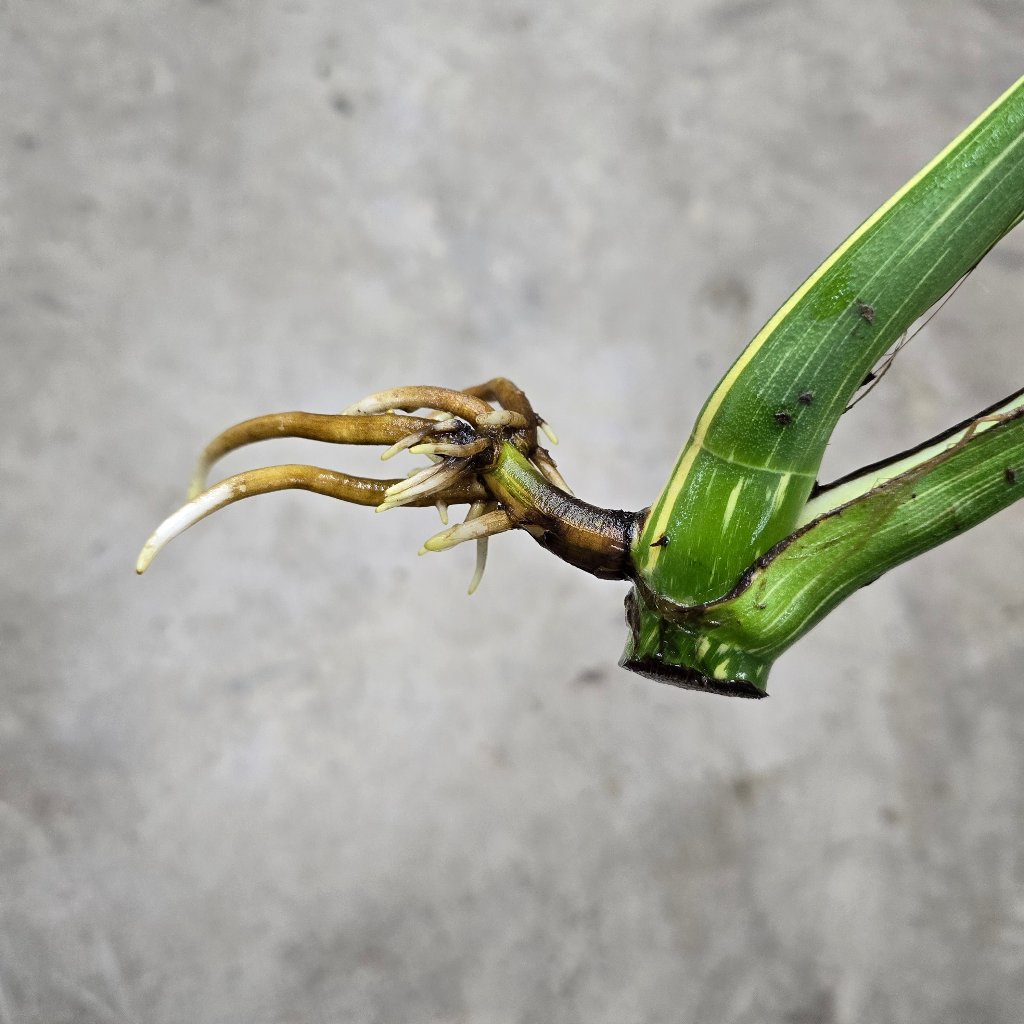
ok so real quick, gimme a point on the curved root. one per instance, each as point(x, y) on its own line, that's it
point(460, 433)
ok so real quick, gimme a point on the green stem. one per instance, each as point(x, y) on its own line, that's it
point(863, 527)
point(597, 540)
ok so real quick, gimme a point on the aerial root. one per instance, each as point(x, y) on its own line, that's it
point(487, 524)
point(476, 510)
point(356, 489)
point(333, 429)
point(427, 482)
point(502, 418)
point(461, 451)
point(409, 399)
point(483, 520)
point(548, 432)
point(543, 461)
point(416, 436)
point(459, 432)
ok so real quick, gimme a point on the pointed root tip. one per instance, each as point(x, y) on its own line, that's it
point(481, 564)
point(414, 437)
point(439, 542)
point(543, 461)
point(157, 542)
point(400, 446)
point(548, 432)
point(429, 483)
point(477, 526)
point(146, 556)
point(188, 515)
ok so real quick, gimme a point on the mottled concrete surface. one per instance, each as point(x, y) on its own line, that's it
point(294, 774)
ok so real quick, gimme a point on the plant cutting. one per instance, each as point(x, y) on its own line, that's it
point(744, 550)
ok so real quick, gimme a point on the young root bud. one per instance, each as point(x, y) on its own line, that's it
point(430, 483)
point(489, 524)
point(411, 440)
point(543, 461)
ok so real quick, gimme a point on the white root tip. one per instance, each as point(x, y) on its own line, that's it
point(502, 418)
point(390, 453)
point(548, 432)
point(378, 402)
point(186, 516)
point(481, 564)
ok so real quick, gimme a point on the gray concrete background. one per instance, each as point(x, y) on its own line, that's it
point(294, 774)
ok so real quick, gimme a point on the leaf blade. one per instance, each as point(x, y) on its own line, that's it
point(820, 344)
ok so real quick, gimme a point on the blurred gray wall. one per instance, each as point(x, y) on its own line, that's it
point(294, 774)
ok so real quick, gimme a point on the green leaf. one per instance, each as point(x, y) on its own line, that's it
point(741, 482)
point(733, 562)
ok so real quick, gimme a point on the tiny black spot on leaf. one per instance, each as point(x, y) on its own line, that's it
point(866, 312)
point(661, 542)
point(806, 397)
point(1010, 474)
point(783, 418)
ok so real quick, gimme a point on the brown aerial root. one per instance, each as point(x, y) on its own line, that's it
point(386, 429)
point(459, 432)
